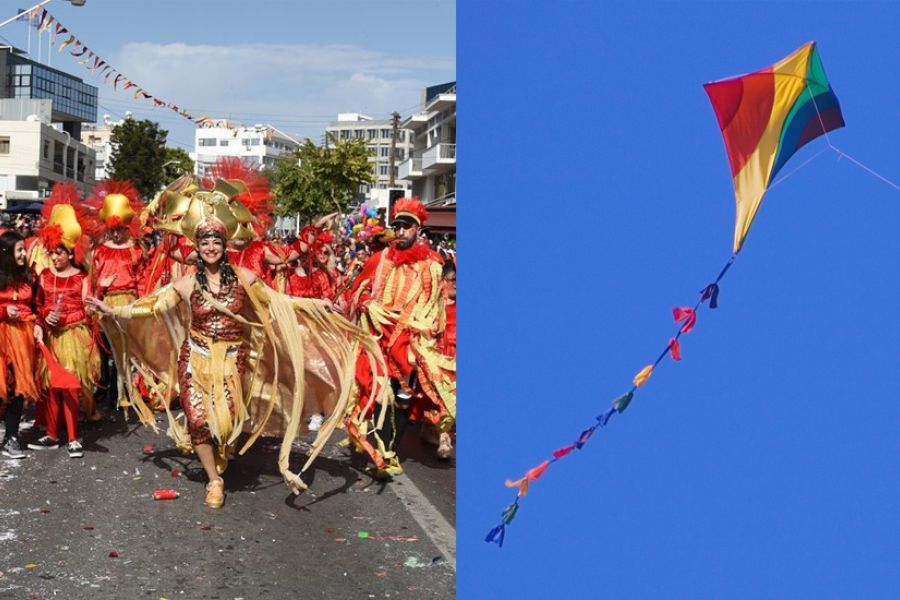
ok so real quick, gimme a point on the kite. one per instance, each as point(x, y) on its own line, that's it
point(764, 117)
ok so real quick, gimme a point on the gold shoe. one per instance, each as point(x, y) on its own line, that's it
point(215, 493)
point(221, 463)
point(445, 447)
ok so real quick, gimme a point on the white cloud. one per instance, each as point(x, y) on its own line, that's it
point(300, 85)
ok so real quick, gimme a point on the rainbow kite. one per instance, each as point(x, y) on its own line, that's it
point(765, 117)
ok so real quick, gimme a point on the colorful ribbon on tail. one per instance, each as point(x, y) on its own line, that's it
point(687, 318)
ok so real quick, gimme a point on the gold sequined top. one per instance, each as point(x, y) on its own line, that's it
point(211, 322)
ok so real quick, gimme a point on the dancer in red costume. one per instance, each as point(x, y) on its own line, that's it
point(398, 299)
point(18, 332)
point(62, 289)
point(116, 264)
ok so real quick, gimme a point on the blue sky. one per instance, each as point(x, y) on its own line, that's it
point(595, 196)
point(294, 64)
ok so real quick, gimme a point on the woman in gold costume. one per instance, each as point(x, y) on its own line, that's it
point(240, 356)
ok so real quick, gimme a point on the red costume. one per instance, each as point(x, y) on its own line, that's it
point(399, 300)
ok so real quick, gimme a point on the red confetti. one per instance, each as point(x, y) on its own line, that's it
point(88, 528)
point(114, 554)
point(148, 449)
point(176, 473)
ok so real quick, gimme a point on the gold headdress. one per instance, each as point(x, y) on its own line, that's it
point(64, 213)
point(189, 210)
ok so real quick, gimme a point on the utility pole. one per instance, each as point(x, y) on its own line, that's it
point(395, 123)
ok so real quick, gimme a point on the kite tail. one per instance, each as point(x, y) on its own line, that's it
point(687, 318)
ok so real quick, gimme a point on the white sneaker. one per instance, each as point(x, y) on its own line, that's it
point(75, 449)
point(45, 443)
point(12, 449)
point(315, 422)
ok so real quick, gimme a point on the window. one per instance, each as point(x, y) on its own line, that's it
point(400, 154)
point(254, 142)
point(223, 142)
point(4, 145)
point(385, 151)
point(383, 170)
point(357, 133)
point(372, 133)
point(206, 142)
point(345, 134)
point(385, 134)
point(46, 149)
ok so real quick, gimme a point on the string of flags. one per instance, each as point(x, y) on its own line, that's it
point(43, 21)
point(764, 117)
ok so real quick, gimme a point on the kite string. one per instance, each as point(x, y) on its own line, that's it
point(843, 154)
point(840, 152)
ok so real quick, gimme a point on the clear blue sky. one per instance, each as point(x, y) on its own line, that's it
point(293, 64)
point(595, 195)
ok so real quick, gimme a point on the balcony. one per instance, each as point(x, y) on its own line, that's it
point(414, 122)
point(439, 158)
point(410, 169)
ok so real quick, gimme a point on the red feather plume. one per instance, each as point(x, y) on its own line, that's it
point(258, 196)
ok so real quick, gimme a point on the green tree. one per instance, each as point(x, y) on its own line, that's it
point(177, 163)
point(138, 153)
point(325, 181)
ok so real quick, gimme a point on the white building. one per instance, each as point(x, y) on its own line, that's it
point(378, 134)
point(34, 155)
point(261, 145)
point(431, 168)
point(97, 138)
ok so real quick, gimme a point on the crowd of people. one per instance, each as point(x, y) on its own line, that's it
point(189, 305)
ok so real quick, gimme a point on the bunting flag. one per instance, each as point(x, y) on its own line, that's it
point(765, 117)
point(43, 21)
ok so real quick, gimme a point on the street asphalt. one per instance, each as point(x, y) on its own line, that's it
point(89, 527)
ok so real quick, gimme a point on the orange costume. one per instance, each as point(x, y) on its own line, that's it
point(17, 352)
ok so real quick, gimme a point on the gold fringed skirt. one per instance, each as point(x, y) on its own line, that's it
point(76, 351)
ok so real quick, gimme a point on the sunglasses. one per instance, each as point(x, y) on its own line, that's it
point(402, 225)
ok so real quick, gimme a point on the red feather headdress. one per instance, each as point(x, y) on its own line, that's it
point(105, 214)
point(65, 226)
point(412, 208)
point(257, 198)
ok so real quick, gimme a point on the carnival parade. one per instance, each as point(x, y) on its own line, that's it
point(246, 347)
point(101, 280)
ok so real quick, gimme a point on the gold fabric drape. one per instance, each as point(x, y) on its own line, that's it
point(302, 360)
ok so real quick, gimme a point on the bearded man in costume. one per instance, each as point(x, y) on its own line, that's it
point(239, 356)
point(398, 299)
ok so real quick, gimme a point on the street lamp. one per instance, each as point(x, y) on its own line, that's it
point(36, 6)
